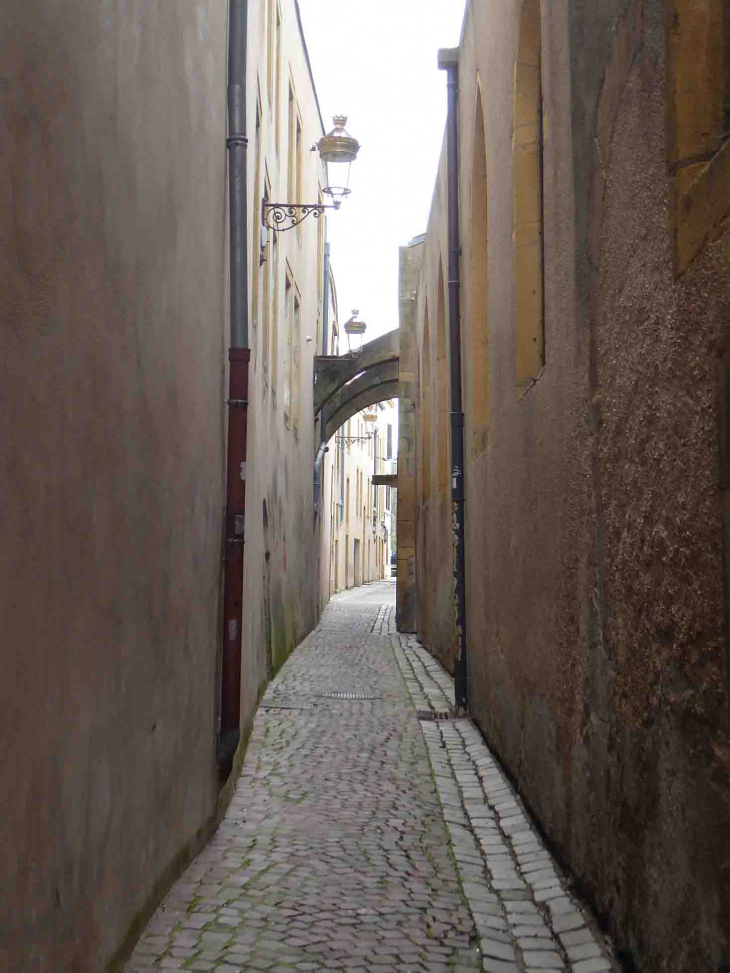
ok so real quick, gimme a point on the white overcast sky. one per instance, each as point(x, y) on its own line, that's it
point(375, 61)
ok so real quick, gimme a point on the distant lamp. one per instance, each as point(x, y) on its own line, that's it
point(338, 147)
point(356, 328)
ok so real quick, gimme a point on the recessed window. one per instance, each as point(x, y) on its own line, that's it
point(479, 363)
point(699, 130)
point(527, 165)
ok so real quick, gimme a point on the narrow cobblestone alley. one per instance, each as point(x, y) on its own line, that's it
point(358, 835)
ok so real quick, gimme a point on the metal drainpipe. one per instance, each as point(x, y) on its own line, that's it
point(239, 356)
point(319, 461)
point(342, 478)
point(448, 60)
point(375, 473)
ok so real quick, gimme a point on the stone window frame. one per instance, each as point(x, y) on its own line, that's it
point(528, 199)
point(698, 132)
point(443, 386)
point(425, 406)
point(479, 278)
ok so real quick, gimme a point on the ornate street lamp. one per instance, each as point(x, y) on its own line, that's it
point(353, 327)
point(337, 147)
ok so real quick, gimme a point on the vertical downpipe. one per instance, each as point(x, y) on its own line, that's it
point(448, 60)
point(239, 356)
point(319, 459)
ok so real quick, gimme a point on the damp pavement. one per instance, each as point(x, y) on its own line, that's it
point(371, 830)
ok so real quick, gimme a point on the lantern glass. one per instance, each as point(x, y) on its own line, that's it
point(338, 147)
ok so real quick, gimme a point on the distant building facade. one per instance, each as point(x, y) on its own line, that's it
point(359, 534)
point(594, 198)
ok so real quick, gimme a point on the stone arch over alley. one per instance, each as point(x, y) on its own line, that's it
point(334, 372)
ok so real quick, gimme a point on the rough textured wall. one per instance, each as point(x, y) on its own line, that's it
point(281, 575)
point(409, 267)
point(527, 499)
point(594, 518)
point(112, 203)
point(655, 359)
point(433, 525)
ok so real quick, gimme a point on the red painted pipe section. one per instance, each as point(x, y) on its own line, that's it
point(239, 359)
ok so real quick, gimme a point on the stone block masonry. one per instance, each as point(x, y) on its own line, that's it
point(526, 917)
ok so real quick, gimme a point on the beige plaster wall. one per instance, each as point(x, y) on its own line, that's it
point(112, 203)
point(432, 532)
point(282, 546)
point(358, 460)
point(407, 512)
point(113, 241)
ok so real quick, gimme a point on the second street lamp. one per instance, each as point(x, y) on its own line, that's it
point(353, 327)
point(338, 147)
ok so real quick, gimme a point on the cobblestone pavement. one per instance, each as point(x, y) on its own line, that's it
point(363, 838)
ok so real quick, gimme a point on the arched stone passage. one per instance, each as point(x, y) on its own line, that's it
point(367, 395)
point(334, 372)
point(387, 372)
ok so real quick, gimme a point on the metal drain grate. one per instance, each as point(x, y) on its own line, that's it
point(348, 696)
point(434, 716)
point(279, 706)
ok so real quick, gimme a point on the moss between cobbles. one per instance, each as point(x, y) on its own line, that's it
point(185, 855)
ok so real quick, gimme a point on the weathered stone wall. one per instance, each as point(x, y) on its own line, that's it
point(283, 538)
point(426, 316)
point(594, 515)
point(406, 513)
point(659, 672)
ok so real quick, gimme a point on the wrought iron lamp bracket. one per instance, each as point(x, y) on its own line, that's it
point(353, 439)
point(274, 216)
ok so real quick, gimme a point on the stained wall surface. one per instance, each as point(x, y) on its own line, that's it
point(113, 243)
point(407, 512)
point(283, 535)
point(596, 625)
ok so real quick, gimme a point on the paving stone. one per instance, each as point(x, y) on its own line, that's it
point(584, 951)
point(576, 937)
point(536, 942)
point(490, 947)
point(490, 965)
point(560, 905)
point(598, 965)
point(543, 959)
point(567, 921)
point(538, 930)
point(544, 895)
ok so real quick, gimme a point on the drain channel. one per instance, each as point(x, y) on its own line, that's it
point(347, 696)
point(282, 706)
point(438, 716)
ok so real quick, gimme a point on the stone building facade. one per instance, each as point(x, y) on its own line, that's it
point(114, 317)
point(358, 539)
point(595, 254)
